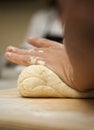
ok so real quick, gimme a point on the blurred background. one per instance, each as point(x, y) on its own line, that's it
point(15, 19)
point(15, 16)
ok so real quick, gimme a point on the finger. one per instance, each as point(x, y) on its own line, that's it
point(42, 42)
point(18, 59)
point(34, 60)
point(25, 60)
point(18, 51)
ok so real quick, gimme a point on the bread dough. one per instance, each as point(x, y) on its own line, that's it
point(39, 81)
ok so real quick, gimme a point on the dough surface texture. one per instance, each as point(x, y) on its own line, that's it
point(39, 81)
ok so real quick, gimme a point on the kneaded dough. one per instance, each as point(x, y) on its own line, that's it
point(39, 81)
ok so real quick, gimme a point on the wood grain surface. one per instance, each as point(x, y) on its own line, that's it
point(18, 113)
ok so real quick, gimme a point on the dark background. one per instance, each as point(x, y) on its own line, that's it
point(15, 16)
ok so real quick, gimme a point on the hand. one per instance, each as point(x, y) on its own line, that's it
point(22, 56)
point(55, 57)
point(52, 53)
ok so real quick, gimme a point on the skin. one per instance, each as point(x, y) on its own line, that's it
point(79, 42)
point(72, 61)
point(49, 51)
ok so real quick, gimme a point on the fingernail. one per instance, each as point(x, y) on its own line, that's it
point(11, 48)
point(30, 37)
point(8, 54)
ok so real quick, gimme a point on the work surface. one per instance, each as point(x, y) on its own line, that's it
point(17, 113)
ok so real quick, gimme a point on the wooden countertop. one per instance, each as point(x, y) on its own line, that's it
point(17, 113)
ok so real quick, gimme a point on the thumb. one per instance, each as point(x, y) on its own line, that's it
point(41, 42)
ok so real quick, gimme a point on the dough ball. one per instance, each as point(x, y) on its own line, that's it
point(39, 81)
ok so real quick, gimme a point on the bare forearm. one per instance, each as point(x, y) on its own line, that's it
point(79, 41)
